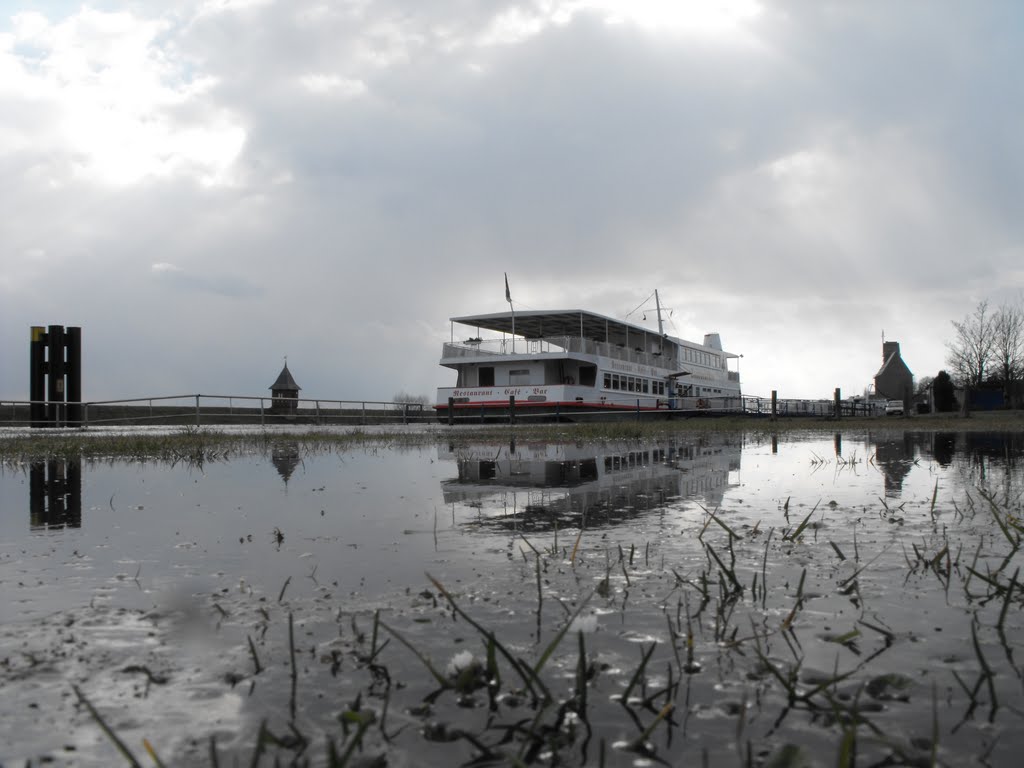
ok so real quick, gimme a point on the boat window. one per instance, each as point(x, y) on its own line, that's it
point(588, 375)
point(486, 374)
point(647, 384)
point(519, 376)
point(607, 381)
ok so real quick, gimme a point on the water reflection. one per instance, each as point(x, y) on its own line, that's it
point(55, 494)
point(286, 457)
point(539, 486)
point(895, 456)
point(978, 454)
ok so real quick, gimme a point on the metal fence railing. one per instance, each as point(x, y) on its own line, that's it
point(197, 410)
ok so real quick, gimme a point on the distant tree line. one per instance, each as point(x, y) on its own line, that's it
point(987, 349)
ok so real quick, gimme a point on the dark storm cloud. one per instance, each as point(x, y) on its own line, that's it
point(822, 172)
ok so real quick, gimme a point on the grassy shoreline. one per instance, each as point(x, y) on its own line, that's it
point(217, 442)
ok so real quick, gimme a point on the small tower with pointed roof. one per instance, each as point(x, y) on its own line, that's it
point(284, 392)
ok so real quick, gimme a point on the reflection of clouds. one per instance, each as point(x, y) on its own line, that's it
point(541, 488)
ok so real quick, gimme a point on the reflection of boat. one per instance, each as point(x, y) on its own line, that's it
point(543, 486)
point(570, 362)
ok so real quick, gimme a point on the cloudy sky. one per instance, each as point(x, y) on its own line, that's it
point(207, 186)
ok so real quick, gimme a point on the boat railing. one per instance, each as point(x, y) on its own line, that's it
point(477, 347)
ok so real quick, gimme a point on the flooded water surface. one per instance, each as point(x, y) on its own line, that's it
point(703, 599)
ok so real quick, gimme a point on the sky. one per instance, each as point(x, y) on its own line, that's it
point(207, 187)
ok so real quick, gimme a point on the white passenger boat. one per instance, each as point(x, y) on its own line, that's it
point(574, 364)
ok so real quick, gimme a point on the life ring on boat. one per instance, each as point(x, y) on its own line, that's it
point(569, 380)
point(702, 403)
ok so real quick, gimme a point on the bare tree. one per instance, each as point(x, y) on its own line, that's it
point(971, 353)
point(1008, 343)
point(405, 397)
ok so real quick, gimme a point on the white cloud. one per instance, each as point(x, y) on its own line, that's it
point(99, 89)
point(325, 83)
point(292, 174)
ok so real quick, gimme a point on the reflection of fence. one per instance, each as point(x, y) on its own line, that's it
point(197, 410)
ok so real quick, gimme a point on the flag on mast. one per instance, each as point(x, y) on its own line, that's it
point(508, 298)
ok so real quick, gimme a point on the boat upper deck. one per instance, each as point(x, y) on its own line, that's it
point(561, 332)
point(560, 323)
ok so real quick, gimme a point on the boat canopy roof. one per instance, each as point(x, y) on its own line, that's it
point(538, 324)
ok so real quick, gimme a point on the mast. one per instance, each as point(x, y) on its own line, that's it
point(657, 303)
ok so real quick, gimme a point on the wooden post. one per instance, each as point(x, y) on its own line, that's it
point(74, 374)
point(55, 375)
point(197, 408)
point(838, 403)
point(37, 376)
point(451, 411)
point(775, 403)
point(511, 409)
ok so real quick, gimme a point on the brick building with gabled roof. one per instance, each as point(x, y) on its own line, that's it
point(894, 380)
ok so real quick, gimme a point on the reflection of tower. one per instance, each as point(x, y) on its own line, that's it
point(285, 458)
point(55, 494)
point(895, 457)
